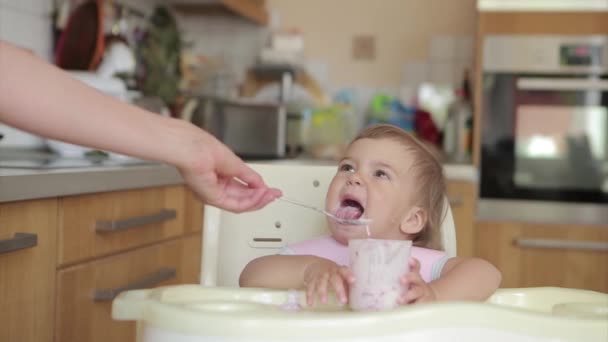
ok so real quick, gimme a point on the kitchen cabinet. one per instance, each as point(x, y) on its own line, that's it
point(531, 255)
point(85, 291)
point(252, 10)
point(115, 241)
point(70, 256)
point(461, 195)
point(27, 270)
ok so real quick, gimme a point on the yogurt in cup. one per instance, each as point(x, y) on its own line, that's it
point(377, 266)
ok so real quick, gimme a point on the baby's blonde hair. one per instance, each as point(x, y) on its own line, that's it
point(430, 187)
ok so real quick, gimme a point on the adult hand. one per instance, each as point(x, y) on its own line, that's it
point(418, 291)
point(322, 274)
point(222, 179)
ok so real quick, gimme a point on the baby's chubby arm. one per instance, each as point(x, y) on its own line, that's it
point(466, 279)
point(315, 274)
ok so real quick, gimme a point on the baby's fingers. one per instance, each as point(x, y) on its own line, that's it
point(412, 295)
point(414, 265)
point(310, 291)
point(412, 279)
point(338, 284)
point(347, 274)
point(322, 288)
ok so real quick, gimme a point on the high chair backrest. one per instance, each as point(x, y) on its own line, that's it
point(230, 240)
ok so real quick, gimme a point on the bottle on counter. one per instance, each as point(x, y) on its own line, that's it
point(458, 130)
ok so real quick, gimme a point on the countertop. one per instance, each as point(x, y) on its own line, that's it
point(24, 184)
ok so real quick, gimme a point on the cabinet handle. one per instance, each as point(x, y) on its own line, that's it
point(151, 280)
point(562, 244)
point(19, 241)
point(104, 226)
point(455, 201)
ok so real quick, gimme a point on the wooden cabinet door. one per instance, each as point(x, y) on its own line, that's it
point(101, 224)
point(462, 201)
point(193, 213)
point(85, 291)
point(531, 255)
point(27, 270)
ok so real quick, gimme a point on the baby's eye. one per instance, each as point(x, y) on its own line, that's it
point(346, 167)
point(381, 174)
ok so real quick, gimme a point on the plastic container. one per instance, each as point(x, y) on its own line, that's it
point(377, 266)
point(193, 313)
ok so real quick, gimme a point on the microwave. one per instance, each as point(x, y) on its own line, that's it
point(251, 130)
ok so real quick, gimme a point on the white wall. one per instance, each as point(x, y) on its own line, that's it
point(26, 23)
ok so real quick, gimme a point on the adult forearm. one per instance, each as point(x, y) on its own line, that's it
point(469, 279)
point(277, 271)
point(40, 98)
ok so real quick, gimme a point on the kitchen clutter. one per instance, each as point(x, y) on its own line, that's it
point(144, 58)
point(97, 44)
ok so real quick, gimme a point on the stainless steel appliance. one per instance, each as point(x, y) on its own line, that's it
point(545, 129)
point(251, 130)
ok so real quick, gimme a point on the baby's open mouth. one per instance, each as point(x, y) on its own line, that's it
point(350, 209)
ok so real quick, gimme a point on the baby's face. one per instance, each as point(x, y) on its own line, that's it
point(373, 181)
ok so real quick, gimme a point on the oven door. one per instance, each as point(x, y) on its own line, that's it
point(545, 138)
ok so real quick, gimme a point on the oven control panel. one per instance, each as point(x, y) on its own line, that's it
point(581, 55)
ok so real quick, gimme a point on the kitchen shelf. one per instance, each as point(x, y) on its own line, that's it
point(252, 10)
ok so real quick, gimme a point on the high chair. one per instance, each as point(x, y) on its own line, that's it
point(218, 310)
point(230, 240)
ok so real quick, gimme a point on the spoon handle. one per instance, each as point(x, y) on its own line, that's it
point(288, 200)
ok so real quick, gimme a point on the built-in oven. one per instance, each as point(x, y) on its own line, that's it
point(544, 134)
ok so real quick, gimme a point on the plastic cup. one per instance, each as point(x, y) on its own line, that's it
point(377, 266)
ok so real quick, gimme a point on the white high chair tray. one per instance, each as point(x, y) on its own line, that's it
point(193, 313)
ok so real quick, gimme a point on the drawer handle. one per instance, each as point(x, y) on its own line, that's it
point(151, 280)
point(114, 226)
point(455, 201)
point(19, 241)
point(563, 244)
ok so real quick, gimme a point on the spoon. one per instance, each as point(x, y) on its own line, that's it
point(354, 222)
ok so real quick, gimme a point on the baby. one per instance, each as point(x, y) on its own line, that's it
point(387, 176)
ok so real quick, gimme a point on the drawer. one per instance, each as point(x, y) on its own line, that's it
point(105, 223)
point(462, 201)
point(27, 270)
point(85, 291)
point(531, 255)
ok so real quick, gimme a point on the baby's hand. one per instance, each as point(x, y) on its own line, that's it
point(322, 274)
point(418, 291)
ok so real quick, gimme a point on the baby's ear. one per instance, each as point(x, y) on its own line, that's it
point(414, 221)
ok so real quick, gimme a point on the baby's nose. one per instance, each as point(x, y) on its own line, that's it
point(353, 180)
